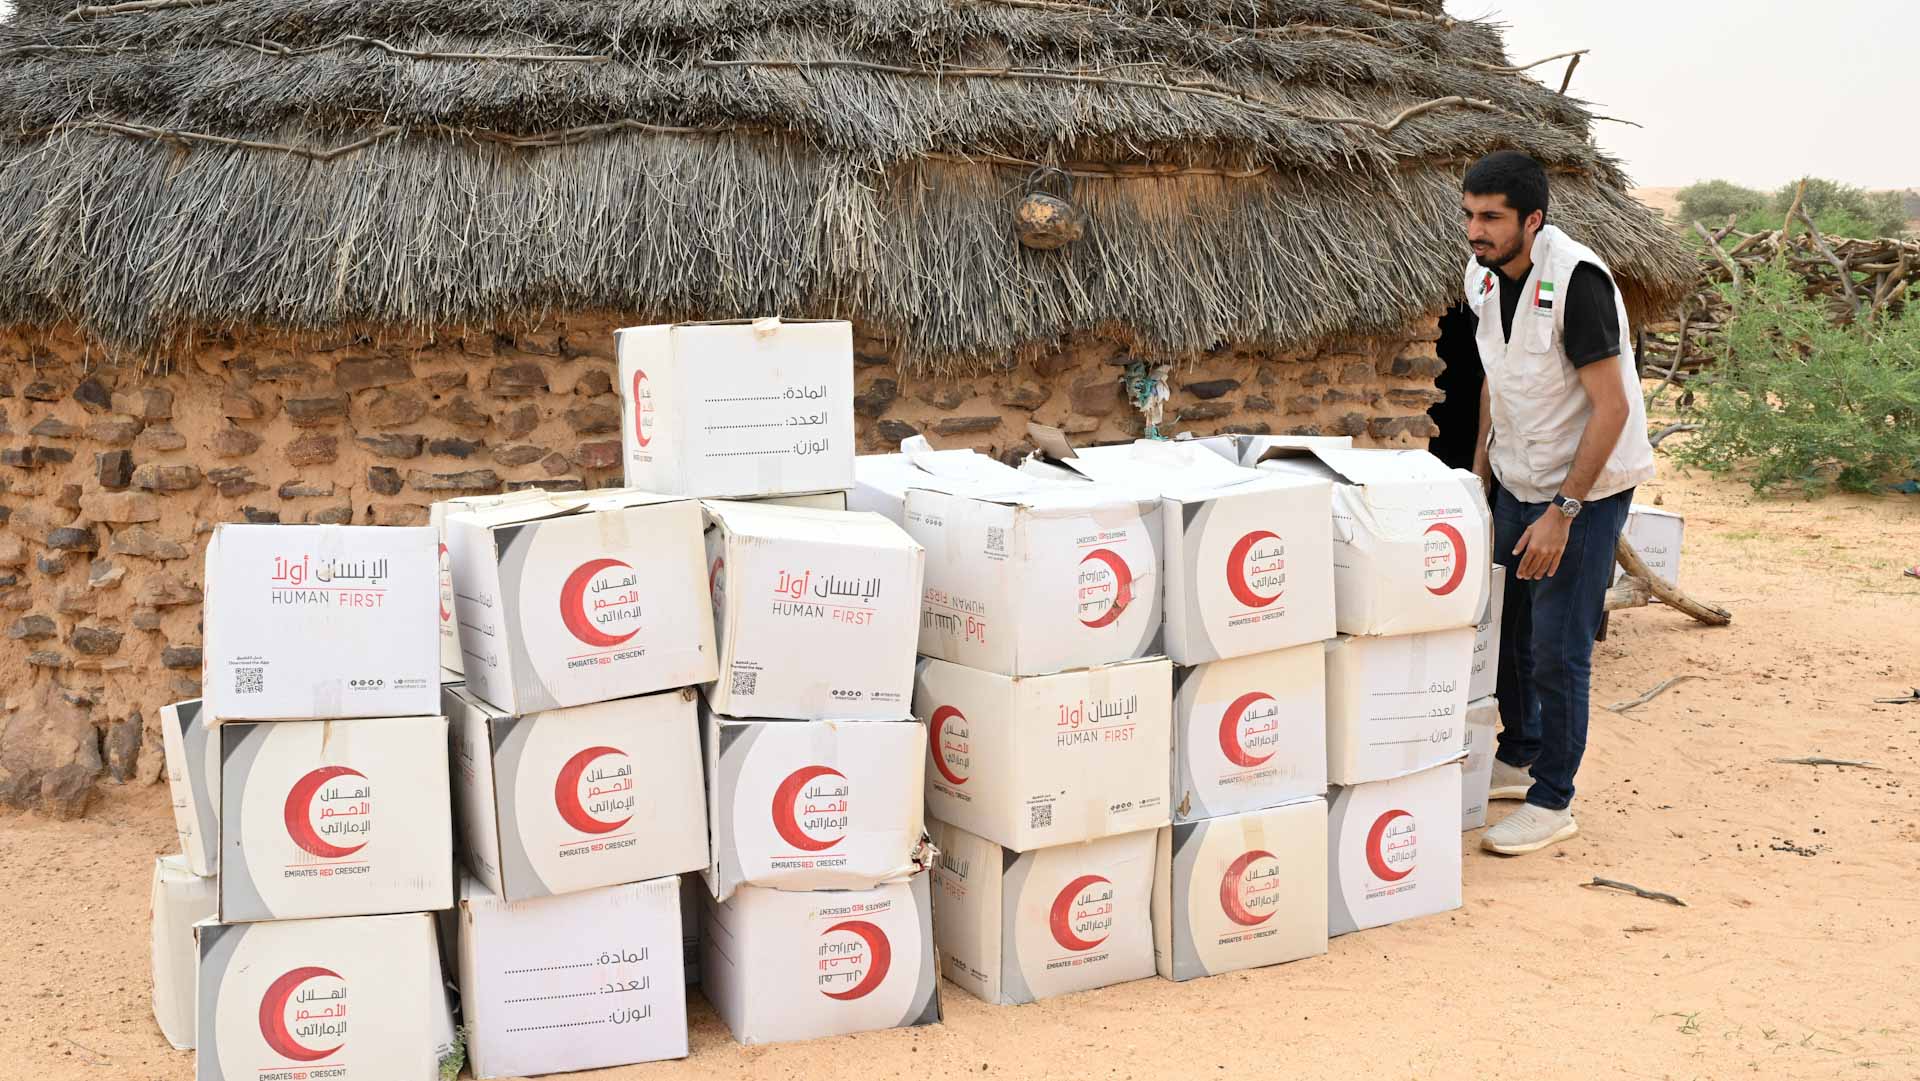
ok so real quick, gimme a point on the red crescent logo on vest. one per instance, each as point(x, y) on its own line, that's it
point(1060, 919)
point(1238, 578)
point(1230, 891)
point(298, 813)
point(1123, 585)
point(785, 822)
point(573, 605)
point(934, 724)
point(446, 584)
point(879, 953)
point(1459, 569)
point(1230, 744)
point(273, 1015)
point(566, 792)
point(642, 410)
point(1376, 851)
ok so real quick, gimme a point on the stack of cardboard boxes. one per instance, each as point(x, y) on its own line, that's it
point(311, 784)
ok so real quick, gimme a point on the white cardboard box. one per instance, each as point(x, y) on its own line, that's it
point(348, 999)
point(1396, 705)
point(1250, 732)
point(1048, 760)
point(881, 481)
point(573, 600)
point(334, 818)
point(320, 622)
point(1486, 637)
point(437, 515)
point(1045, 580)
point(1255, 449)
point(1241, 891)
point(1392, 850)
point(813, 805)
point(1248, 555)
point(814, 612)
point(1476, 778)
point(808, 500)
point(1656, 535)
point(574, 798)
point(780, 966)
point(577, 982)
point(180, 900)
point(1017, 928)
point(1410, 538)
point(738, 408)
point(193, 780)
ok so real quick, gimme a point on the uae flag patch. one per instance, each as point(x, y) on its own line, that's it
point(1486, 284)
point(1543, 295)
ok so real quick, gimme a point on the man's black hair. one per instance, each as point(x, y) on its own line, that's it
point(1512, 174)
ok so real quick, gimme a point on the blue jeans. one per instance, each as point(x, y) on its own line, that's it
point(1546, 641)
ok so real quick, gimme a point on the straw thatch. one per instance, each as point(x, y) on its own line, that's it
point(171, 166)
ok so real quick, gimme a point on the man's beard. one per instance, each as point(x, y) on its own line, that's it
point(1499, 258)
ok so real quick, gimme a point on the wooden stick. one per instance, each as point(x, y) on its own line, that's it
point(1820, 242)
point(1818, 761)
point(1568, 79)
point(274, 48)
point(1631, 562)
point(133, 6)
point(1628, 593)
point(1733, 268)
point(1671, 429)
point(1786, 227)
point(1679, 354)
point(1628, 887)
point(1636, 703)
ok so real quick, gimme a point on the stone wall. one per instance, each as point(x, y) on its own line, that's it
point(111, 477)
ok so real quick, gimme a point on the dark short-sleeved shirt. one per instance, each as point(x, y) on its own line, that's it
point(1592, 328)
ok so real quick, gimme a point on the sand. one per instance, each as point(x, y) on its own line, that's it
point(1796, 956)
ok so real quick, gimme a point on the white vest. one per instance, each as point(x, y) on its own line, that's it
point(1540, 410)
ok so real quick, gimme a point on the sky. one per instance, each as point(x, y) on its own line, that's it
point(1754, 91)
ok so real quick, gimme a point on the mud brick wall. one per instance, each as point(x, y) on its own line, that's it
point(111, 477)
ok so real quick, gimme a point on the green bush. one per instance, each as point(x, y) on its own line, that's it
point(1710, 201)
point(1871, 214)
point(1801, 400)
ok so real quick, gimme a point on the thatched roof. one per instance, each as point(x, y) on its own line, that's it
point(170, 165)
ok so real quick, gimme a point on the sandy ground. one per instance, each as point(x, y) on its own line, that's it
point(1796, 956)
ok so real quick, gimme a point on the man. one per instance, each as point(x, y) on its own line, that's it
point(1562, 443)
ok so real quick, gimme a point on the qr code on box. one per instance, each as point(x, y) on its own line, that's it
point(249, 680)
point(1040, 816)
point(745, 683)
point(996, 539)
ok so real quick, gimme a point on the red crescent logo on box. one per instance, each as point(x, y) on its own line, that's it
point(1242, 577)
point(1067, 910)
point(1456, 558)
point(936, 726)
point(446, 584)
point(879, 958)
point(642, 409)
point(298, 813)
point(1231, 742)
point(1122, 589)
point(567, 796)
point(578, 616)
point(786, 816)
point(1235, 888)
point(1377, 846)
point(273, 1013)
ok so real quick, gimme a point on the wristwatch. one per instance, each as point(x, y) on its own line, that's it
point(1568, 507)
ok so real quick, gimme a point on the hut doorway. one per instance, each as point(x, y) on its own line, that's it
point(1458, 417)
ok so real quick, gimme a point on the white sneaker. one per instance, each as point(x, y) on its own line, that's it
point(1510, 782)
point(1529, 829)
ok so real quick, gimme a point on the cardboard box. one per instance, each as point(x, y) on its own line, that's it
point(568, 601)
point(1043, 580)
point(1656, 535)
point(814, 612)
point(353, 999)
point(693, 902)
point(319, 622)
point(180, 900)
point(579, 982)
point(1017, 928)
point(1486, 636)
point(570, 799)
point(1410, 538)
point(1396, 705)
point(738, 408)
point(813, 805)
point(807, 500)
point(1250, 732)
point(1476, 778)
point(1248, 555)
point(780, 966)
point(1254, 449)
point(334, 818)
point(1242, 891)
point(881, 481)
point(1392, 851)
point(1048, 760)
point(437, 515)
point(193, 779)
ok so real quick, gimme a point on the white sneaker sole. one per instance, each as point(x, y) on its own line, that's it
point(1559, 835)
point(1512, 791)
